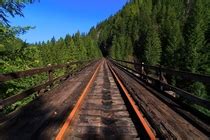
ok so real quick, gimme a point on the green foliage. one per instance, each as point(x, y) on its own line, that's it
point(17, 55)
point(72, 48)
point(199, 90)
point(175, 34)
point(195, 37)
point(172, 33)
point(12, 8)
point(152, 47)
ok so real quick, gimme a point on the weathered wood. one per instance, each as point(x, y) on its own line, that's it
point(37, 119)
point(162, 117)
point(22, 74)
point(186, 75)
point(12, 99)
point(67, 68)
point(190, 97)
point(16, 75)
point(99, 118)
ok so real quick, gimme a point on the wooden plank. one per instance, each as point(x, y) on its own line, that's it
point(199, 122)
point(22, 74)
point(12, 99)
point(186, 75)
point(192, 98)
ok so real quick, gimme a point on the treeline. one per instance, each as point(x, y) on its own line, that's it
point(167, 32)
point(172, 33)
point(17, 55)
point(68, 49)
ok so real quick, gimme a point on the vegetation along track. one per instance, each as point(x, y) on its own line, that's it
point(104, 111)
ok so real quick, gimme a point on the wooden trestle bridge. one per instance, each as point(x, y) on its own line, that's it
point(106, 99)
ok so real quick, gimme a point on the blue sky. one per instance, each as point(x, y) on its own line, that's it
point(59, 17)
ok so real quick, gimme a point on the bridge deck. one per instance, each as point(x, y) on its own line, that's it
point(170, 123)
point(104, 113)
point(43, 117)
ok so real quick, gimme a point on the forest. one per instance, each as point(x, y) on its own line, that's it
point(171, 33)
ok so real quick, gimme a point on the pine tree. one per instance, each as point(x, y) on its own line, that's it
point(152, 52)
point(172, 39)
point(195, 38)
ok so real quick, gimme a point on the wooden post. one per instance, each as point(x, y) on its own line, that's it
point(50, 74)
point(160, 73)
point(67, 69)
point(141, 67)
point(143, 72)
point(161, 78)
point(1, 106)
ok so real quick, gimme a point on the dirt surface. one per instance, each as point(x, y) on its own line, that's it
point(169, 123)
point(42, 118)
point(103, 114)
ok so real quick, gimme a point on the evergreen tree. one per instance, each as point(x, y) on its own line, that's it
point(195, 38)
point(171, 38)
point(152, 52)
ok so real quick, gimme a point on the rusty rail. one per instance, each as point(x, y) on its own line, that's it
point(22, 74)
point(162, 85)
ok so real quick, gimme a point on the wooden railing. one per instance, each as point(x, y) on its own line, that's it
point(160, 70)
point(28, 73)
point(160, 82)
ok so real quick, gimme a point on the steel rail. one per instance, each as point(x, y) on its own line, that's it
point(77, 106)
point(140, 115)
point(190, 97)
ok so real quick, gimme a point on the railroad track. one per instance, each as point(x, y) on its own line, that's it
point(104, 101)
point(166, 116)
point(105, 111)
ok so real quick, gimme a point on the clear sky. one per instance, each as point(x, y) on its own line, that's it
point(59, 17)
